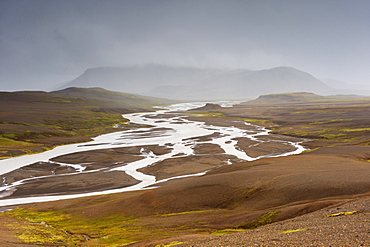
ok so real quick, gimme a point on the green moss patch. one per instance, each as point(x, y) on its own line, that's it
point(57, 227)
point(263, 220)
point(170, 244)
point(340, 214)
point(210, 114)
point(331, 136)
point(182, 213)
point(295, 230)
point(227, 231)
point(6, 142)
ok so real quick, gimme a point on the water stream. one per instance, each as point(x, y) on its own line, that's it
point(172, 131)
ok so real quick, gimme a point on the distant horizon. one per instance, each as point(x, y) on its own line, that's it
point(341, 89)
point(46, 43)
point(58, 84)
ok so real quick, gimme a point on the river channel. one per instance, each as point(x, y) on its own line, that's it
point(166, 128)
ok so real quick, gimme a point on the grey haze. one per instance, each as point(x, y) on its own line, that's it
point(44, 43)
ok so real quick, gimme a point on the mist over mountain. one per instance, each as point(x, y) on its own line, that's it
point(188, 83)
point(347, 88)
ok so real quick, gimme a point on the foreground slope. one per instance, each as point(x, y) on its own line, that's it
point(343, 224)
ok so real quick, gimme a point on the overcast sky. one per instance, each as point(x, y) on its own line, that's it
point(44, 43)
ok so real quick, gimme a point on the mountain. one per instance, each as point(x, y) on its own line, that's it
point(301, 97)
point(139, 79)
point(187, 83)
point(247, 84)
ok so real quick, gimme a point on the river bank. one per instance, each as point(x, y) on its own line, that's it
point(137, 158)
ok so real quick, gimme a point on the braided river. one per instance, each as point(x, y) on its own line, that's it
point(168, 128)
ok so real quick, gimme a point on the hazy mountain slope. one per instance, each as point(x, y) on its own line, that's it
point(245, 84)
point(347, 88)
point(138, 79)
point(284, 79)
point(197, 84)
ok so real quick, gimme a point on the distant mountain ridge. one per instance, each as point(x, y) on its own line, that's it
point(187, 83)
point(300, 97)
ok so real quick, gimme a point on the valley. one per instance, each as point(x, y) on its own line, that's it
point(183, 175)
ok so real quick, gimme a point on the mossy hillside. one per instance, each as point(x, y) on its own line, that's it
point(8, 142)
point(86, 120)
point(323, 123)
point(52, 227)
point(329, 133)
point(57, 227)
point(66, 116)
point(56, 131)
point(265, 219)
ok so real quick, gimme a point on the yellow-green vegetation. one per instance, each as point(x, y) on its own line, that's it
point(78, 125)
point(209, 114)
point(43, 234)
point(311, 150)
point(87, 119)
point(330, 121)
point(62, 117)
point(355, 130)
point(23, 147)
point(170, 244)
point(319, 110)
point(332, 133)
point(57, 227)
point(365, 159)
point(253, 120)
point(263, 220)
point(301, 131)
point(340, 213)
point(38, 228)
point(331, 136)
point(227, 231)
point(262, 122)
point(181, 213)
point(6, 142)
point(295, 230)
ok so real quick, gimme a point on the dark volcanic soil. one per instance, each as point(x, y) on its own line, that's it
point(53, 178)
point(292, 193)
point(75, 183)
